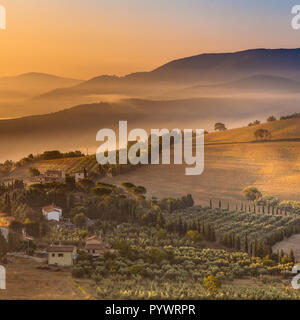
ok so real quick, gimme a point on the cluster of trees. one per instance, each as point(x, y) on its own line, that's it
point(291, 116)
point(273, 204)
point(231, 240)
point(239, 230)
point(127, 204)
point(47, 155)
point(257, 122)
point(194, 229)
point(6, 167)
point(219, 126)
point(157, 266)
point(254, 123)
point(56, 154)
point(173, 204)
point(98, 201)
point(115, 169)
point(262, 134)
point(251, 193)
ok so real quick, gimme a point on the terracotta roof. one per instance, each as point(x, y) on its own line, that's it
point(94, 238)
point(51, 208)
point(60, 248)
point(95, 246)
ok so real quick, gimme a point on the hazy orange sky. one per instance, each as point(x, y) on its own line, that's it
point(85, 38)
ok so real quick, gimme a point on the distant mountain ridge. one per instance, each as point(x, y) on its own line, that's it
point(35, 83)
point(217, 66)
point(270, 71)
point(207, 68)
point(258, 83)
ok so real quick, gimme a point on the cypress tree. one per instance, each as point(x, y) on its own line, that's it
point(246, 242)
point(238, 243)
point(292, 256)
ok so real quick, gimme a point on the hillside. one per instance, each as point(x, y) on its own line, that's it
point(225, 66)
point(257, 73)
point(204, 69)
point(16, 93)
point(257, 84)
point(76, 128)
point(35, 83)
point(69, 165)
point(233, 160)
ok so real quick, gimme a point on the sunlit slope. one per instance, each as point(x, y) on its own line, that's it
point(280, 130)
point(233, 160)
point(69, 165)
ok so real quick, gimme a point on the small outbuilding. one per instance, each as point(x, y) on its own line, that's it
point(62, 255)
point(52, 213)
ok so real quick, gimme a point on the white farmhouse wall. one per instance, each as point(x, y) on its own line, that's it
point(53, 215)
point(2, 278)
point(4, 232)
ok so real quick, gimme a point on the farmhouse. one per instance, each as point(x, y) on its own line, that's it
point(49, 176)
point(80, 175)
point(62, 255)
point(96, 246)
point(52, 212)
point(54, 175)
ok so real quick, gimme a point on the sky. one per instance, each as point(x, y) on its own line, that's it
point(87, 38)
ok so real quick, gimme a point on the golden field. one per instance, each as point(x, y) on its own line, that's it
point(233, 160)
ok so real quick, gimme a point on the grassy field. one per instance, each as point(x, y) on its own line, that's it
point(69, 165)
point(27, 282)
point(233, 160)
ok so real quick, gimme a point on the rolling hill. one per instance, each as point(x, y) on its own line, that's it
point(76, 128)
point(16, 93)
point(213, 68)
point(263, 71)
point(233, 160)
point(34, 83)
point(257, 84)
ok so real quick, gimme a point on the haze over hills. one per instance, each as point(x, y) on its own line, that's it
point(16, 93)
point(233, 161)
point(273, 71)
point(257, 84)
point(76, 128)
point(204, 68)
point(34, 83)
point(218, 67)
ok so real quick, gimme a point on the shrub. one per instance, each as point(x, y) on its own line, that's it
point(251, 193)
point(212, 284)
point(77, 272)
